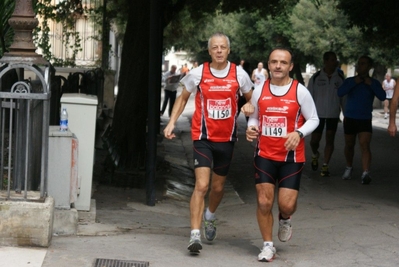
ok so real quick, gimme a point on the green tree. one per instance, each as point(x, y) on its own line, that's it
point(320, 28)
point(376, 19)
point(323, 26)
point(66, 13)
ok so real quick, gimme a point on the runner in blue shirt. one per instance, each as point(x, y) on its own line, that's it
point(360, 90)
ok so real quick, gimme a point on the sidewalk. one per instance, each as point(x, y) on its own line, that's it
point(338, 223)
point(379, 121)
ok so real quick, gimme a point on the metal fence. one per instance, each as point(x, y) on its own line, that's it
point(89, 82)
point(24, 130)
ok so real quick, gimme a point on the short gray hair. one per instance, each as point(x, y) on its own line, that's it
point(218, 34)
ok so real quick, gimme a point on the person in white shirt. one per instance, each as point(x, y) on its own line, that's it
point(259, 75)
point(388, 84)
point(323, 86)
point(171, 80)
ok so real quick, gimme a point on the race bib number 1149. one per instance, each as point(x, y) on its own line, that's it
point(274, 126)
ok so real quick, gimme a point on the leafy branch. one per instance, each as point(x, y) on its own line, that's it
point(65, 13)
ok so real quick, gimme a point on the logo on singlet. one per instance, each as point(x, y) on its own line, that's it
point(229, 80)
point(266, 97)
point(222, 88)
point(277, 109)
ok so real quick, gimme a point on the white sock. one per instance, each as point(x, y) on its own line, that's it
point(268, 243)
point(349, 168)
point(195, 231)
point(209, 215)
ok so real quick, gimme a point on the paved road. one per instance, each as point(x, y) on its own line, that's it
point(338, 223)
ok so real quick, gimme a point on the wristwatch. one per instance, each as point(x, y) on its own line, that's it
point(300, 133)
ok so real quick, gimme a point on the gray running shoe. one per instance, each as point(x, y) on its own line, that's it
point(195, 244)
point(347, 174)
point(209, 229)
point(267, 253)
point(366, 179)
point(285, 230)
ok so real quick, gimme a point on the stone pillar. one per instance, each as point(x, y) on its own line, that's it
point(23, 21)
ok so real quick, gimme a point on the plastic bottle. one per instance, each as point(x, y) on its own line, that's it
point(64, 120)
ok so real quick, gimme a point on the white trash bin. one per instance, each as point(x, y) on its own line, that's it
point(82, 115)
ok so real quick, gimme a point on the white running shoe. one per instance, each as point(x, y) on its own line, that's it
point(347, 173)
point(195, 244)
point(267, 253)
point(285, 230)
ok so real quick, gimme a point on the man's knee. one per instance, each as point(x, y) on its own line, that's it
point(287, 208)
point(364, 141)
point(265, 205)
point(217, 189)
point(201, 185)
point(365, 147)
point(201, 189)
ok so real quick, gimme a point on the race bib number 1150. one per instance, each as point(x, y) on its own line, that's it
point(219, 109)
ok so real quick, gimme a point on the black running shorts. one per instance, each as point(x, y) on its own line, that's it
point(216, 154)
point(286, 174)
point(330, 123)
point(354, 126)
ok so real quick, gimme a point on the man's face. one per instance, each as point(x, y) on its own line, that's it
point(331, 63)
point(363, 66)
point(280, 64)
point(219, 49)
point(388, 77)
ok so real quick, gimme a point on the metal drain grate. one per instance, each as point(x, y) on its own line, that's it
point(120, 263)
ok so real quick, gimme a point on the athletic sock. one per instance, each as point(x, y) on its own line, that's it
point(195, 231)
point(281, 217)
point(268, 243)
point(209, 216)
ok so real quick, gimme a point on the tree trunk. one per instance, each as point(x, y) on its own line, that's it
point(130, 116)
